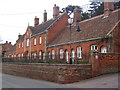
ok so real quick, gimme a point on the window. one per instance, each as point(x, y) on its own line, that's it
point(61, 53)
point(34, 41)
point(79, 52)
point(94, 48)
point(40, 40)
point(19, 45)
point(40, 55)
point(72, 54)
point(27, 43)
point(103, 49)
point(18, 55)
point(35, 55)
point(66, 56)
point(22, 44)
point(22, 55)
point(53, 54)
point(43, 56)
point(49, 55)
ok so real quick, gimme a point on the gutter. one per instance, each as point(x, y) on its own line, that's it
point(68, 43)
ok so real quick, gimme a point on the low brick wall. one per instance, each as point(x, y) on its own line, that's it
point(109, 63)
point(55, 73)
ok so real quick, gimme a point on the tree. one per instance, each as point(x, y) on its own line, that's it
point(85, 15)
point(69, 9)
point(96, 8)
point(117, 5)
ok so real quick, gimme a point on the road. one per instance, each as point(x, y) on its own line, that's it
point(104, 81)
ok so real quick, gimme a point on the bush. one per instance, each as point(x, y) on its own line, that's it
point(83, 62)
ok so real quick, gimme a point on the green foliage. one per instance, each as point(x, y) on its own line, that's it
point(83, 62)
point(96, 8)
point(69, 9)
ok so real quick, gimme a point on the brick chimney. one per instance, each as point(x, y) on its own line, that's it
point(108, 7)
point(45, 16)
point(55, 11)
point(36, 21)
point(77, 14)
point(9, 42)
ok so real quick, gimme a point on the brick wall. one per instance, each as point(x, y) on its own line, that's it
point(104, 63)
point(54, 73)
point(109, 63)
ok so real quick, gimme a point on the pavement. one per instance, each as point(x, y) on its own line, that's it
point(104, 81)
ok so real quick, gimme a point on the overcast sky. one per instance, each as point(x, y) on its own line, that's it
point(16, 14)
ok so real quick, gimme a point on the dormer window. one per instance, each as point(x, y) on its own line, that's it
point(94, 48)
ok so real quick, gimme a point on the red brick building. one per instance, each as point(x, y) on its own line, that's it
point(7, 47)
point(37, 37)
point(53, 38)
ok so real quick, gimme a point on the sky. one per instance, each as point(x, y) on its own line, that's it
point(16, 14)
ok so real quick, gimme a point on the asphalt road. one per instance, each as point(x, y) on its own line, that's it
point(104, 81)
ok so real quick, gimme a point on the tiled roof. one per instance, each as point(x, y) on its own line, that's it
point(41, 27)
point(95, 27)
point(44, 26)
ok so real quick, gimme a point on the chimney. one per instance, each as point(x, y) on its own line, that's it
point(36, 21)
point(19, 35)
point(9, 42)
point(108, 7)
point(77, 14)
point(45, 16)
point(6, 41)
point(55, 11)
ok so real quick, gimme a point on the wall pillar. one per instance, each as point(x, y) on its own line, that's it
point(94, 61)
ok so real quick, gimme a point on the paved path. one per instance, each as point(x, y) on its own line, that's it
point(104, 81)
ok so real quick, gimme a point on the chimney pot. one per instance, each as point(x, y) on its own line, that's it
point(36, 21)
point(6, 41)
point(45, 16)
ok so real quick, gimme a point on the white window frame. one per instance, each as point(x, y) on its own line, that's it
point(43, 56)
point(93, 48)
point(35, 54)
point(40, 40)
point(66, 56)
point(27, 42)
point(19, 45)
point(35, 41)
point(22, 44)
point(61, 53)
point(40, 54)
point(73, 54)
point(105, 49)
point(53, 54)
point(79, 52)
